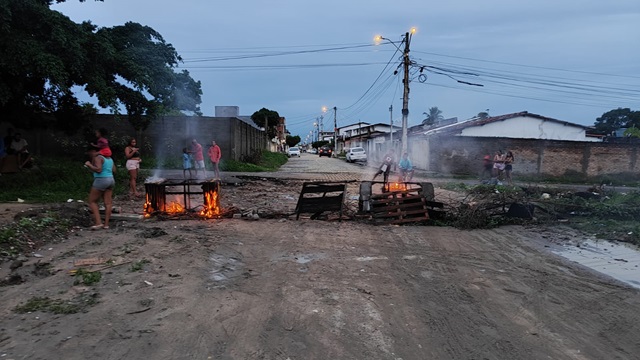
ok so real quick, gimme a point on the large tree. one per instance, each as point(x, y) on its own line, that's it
point(615, 119)
point(292, 140)
point(45, 59)
point(272, 118)
point(433, 116)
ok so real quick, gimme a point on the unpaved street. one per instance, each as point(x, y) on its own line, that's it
point(286, 289)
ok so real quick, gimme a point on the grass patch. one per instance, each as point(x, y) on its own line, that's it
point(86, 277)
point(56, 306)
point(138, 265)
point(55, 179)
point(256, 162)
point(29, 233)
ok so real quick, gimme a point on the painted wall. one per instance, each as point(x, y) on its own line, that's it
point(529, 128)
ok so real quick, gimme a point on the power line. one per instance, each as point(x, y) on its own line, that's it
point(281, 53)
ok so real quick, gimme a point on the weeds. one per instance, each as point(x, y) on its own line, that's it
point(28, 233)
point(57, 306)
point(86, 277)
point(138, 265)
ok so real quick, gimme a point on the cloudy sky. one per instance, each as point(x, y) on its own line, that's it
point(572, 60)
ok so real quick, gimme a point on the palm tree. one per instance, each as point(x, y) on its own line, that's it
point(433, 116)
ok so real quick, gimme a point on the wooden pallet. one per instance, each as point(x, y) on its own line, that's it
point(399, 207)
point(318, 197)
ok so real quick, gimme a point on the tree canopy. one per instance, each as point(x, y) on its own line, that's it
point(46, 58)
point(272, 118)
point(433, 116)
point(292, 140)
point(615, 119)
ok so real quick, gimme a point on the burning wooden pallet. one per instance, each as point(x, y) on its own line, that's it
point(398, 203)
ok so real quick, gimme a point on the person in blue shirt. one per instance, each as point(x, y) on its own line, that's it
point(186, 163)
point(103, 169)
point(406, 168)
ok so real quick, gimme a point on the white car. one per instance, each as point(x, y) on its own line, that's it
point(313, 151)
point(293, 151)
point(356, 154)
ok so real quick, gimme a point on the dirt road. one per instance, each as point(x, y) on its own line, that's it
point(286, 289)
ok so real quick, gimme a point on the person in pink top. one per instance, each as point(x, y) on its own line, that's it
point(198, 156)
point(215, 154)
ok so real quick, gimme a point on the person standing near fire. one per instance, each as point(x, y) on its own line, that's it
point(132, 154)
point(103, 169)
point(214, 155)
point(198, 156)
point(385, 168)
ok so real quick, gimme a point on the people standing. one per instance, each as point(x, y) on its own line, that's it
point(385, 167)
point(487, 169)
point(508, 167)
point(132, 153)
point(103, 169)
point(186, 163)
point(498, 166)
point(19, 148)
point(406, 168)
point(102, 144)
point(198, 156)
point(214, 155)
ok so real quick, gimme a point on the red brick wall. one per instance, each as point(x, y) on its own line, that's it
point(463, 155)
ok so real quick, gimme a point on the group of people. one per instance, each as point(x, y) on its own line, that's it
point(103, 167)
point(404, 166)
point(499, 168)
point(193, 158)
point(14, 144)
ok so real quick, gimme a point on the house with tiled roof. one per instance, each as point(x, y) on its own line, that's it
point(520, 125)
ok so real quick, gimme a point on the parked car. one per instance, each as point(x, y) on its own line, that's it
point(325, 151)
point(356, 154)
point(313, 151)
point(293, 151)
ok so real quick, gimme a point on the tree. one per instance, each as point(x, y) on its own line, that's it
point(615, 119)
point(633, 132)
point(433, 116)
point(292, 140)
point(273, 118)
point(482, 115)
point(44, 55)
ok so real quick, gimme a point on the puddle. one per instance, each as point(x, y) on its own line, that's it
point(620, 261)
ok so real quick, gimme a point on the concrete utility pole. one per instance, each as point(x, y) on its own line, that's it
point(391, 124)
point(335, 130)
point(405, 97)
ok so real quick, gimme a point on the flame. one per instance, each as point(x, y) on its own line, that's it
point(174, 207)
point(210, 208)
point(147, 206)
point(397, 186)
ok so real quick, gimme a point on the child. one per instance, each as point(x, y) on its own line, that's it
point(186, 163)
point(102, 144)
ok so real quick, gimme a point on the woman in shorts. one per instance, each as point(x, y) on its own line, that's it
point(103, 169)
point(133, 164)
point(508, 167)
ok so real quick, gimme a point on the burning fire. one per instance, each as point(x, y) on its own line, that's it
point(211, 207)
point(397, 186)
point(147, 206)
point(174, 207)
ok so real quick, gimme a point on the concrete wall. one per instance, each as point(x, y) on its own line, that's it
point(524, 127)
point(165, 137)
point(463, 155)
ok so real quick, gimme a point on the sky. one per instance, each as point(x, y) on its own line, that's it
point(572, 60)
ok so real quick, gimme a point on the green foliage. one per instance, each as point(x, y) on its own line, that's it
point(319, 144)
point(267, 161)
point(46, 54)
point(615, 119)
point(273, 118)
point(56, 306)
point(433, 116)
point(55, 180)
point(138, 265)
point(632, 132)
point(86, 277)
point(20, 236)
point(292, 140)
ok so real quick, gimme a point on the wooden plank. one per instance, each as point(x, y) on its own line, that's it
point(401, 213)
point(386, 201)
point(395, 194)
point(417, 205)
point(410, 220)
point(312, 189)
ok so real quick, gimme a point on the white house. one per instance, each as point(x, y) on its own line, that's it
point(363, 134)
point(522, 125)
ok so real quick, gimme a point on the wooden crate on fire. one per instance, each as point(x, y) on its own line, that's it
point(398, 203)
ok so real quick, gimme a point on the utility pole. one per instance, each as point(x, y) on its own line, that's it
point(391, 124)
point(405, 97)
point(335, 130)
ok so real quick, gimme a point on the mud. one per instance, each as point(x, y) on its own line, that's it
point(283, 289)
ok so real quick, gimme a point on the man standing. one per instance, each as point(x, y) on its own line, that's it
point(215, 154)
point(19, 147)
point(406, 168)
point(198, 157)
point(385, 168)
